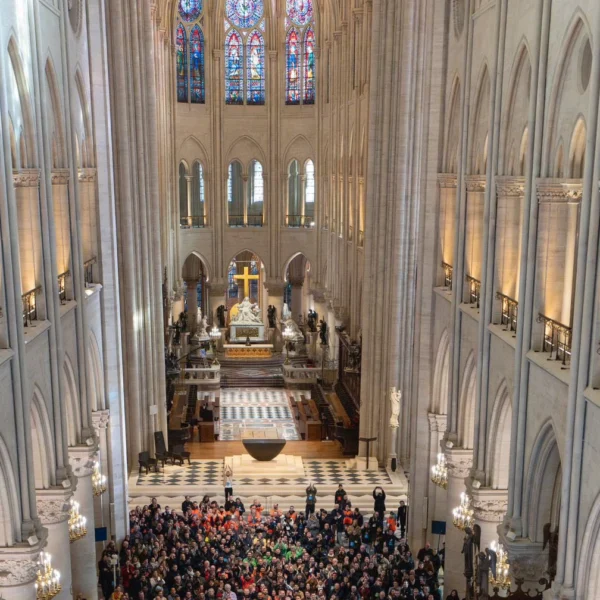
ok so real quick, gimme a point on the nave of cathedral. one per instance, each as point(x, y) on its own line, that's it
point(250, 247)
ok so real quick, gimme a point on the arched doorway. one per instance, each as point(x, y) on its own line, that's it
point(195, 276)
point(245, 278)
point(297, 291)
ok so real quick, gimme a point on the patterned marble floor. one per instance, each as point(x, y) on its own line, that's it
point(256, 408)
point(321, 472)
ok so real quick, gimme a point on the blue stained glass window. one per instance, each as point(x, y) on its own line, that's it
point(182, 74)
point(309, 66)
point(255, 69)
point(190, 10)
point(292, 89)
point(244, 13)
point(234, 74)
point(197, 65)
point(300, 11)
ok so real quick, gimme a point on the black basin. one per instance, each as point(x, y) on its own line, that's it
point(264, 450)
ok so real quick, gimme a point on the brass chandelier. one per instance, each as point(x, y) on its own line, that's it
point(77, 528)
point(98, 480)
point(439, 471)
point(462, 516)
point(500, 579)
point(47, 584)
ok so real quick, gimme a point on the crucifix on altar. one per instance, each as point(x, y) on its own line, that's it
point(246, 278)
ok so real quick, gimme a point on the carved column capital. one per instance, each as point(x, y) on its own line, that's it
point(100, 419)
point(447, 180)
point(459, 461)
point(60, 176)
point(475, 183)
point(82, 459)
point(26, 177)
point(437, 422)
point(87, 175)
point(53, 505)
point(17, 572)
point(510, 187)
point(318, 295)
point(559, 190)
point(489, 505)
point(275, 287)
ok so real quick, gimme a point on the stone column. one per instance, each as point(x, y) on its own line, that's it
point(296, 303)
point(192, 305)
point(275, 290)
point(83, 551)
point(53, 511)
point(459, 462)
point(100, 421)
point(437, 495)
point(489, 507)
point(18, 571)
point(189, 179)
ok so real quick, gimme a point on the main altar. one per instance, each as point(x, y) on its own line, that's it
point(247, 333)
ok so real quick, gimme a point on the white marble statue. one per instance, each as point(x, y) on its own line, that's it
point(198, 316)
point(204, 324)
point(395, 397)
point(286, 313)
point(248, 313)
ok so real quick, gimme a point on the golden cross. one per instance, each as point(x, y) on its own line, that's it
point(246, 278)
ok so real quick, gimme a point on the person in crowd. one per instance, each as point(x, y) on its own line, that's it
point(212, 552)
point(379, 498)
point(311, 499)
point(402, 514)
point(340, 495)
point(228, 479)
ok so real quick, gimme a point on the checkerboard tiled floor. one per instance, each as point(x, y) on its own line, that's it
point(206, 473)
point(255, 408)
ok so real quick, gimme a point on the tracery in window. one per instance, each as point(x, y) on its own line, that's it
point(244, 52)
point(190, 56)
point(300, 53)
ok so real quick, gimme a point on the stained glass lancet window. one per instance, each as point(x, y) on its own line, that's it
point(256, 69)
point(244, 52)
point(234, 72)
point(190, 57)
point(300, 52)
point(182, 73)
point(309, 66)
point(197, 65)
point(292, 68)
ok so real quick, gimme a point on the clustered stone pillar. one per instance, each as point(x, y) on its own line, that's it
point(53, 510)
point(459, 463)
point(275, 298)
point(296, 303)
point(192, 305)
point(83, 551)
point(437, 495)
point(101, 420)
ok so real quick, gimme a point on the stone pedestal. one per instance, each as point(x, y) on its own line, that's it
point(284, 466)
point(83, 551)
point(53, 511)
point(459, 463)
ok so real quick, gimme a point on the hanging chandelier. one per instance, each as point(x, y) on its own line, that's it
point(462, 516)
point(98, 480)
point(47, 584)
point(77, 528)
point(500, 579)
point(439, 471)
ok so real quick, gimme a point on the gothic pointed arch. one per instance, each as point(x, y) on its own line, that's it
point(190, 52)
point(59, 159)
point(43, 442)
point(498, 447)
point(9, 501)
point(441, 390)
point(73, 409)
point(466, 404)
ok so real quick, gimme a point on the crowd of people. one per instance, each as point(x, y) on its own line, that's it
point(231, 552)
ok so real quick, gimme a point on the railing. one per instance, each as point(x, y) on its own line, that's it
point(448, 269)
point(62, 286)
point(299, 221)
point(88, 269)
point(361, 239)
point(474, 290)
point(195, 375)
point(300, 374)
point(510, 310)
point(248, 221)
point(192, 222)
point(30, 306)
point(557, 339)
